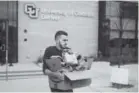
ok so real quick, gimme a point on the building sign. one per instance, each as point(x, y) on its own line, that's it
point(48, 14)
point(31, 10)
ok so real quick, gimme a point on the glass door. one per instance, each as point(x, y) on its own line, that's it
point(3, 41)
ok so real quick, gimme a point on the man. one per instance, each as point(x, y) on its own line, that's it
point(61, 39)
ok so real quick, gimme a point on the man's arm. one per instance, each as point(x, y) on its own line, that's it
point(58, 75)
point(46, 70)
point(54, 74)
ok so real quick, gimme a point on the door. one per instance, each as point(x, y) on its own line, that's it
point(3, 41)
point(104, 31)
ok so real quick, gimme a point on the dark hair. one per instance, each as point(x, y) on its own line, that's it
point(59, 33)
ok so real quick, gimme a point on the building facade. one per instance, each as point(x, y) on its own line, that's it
point(27, 28)
point(37, 22)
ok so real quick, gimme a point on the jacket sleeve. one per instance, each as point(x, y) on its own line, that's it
point(46, 56)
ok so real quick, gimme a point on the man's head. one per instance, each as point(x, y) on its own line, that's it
point(61, 38)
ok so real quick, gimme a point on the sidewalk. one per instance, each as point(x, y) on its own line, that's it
point(101, 73)
point(103, 84)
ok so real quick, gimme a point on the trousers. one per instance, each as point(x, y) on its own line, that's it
point(58, 90)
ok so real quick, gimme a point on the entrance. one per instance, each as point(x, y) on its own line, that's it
point(3, 41)
point(8, 42)
point(8, 32)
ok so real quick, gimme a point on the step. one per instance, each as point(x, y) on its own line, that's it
point(20, 67)
point(23, 71)
point(21, 74)
point(23, 77)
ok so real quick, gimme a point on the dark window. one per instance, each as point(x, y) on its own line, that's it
point(130, 10)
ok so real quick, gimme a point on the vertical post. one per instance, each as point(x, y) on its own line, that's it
point(17, 31)
point(6, 23)
point(120, 34)
point(136, 32)
point(7, 51)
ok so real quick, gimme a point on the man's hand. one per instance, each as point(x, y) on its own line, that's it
point(63, 70)
point(57, 76)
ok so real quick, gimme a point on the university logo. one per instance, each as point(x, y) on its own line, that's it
point(31, 10)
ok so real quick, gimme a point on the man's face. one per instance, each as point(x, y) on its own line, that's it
point(62, 41)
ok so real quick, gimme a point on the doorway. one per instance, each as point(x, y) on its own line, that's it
point(3, 36)
point(8, 32)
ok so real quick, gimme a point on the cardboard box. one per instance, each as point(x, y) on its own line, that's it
point(79, 78)
point(73, 80)
point(79, 75)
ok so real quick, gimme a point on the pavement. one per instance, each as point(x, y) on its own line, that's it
point(101, 74)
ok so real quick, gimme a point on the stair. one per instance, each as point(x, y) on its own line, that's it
point(21, 71)
point(21, 75)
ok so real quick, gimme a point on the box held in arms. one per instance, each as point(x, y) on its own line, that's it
point(73, 78)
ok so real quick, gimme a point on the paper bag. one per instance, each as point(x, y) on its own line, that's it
point(71, 58)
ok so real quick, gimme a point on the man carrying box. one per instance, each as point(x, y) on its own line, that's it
point(54, 62)
point(61, 39)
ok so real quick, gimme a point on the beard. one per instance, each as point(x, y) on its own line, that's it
point(61, 46)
